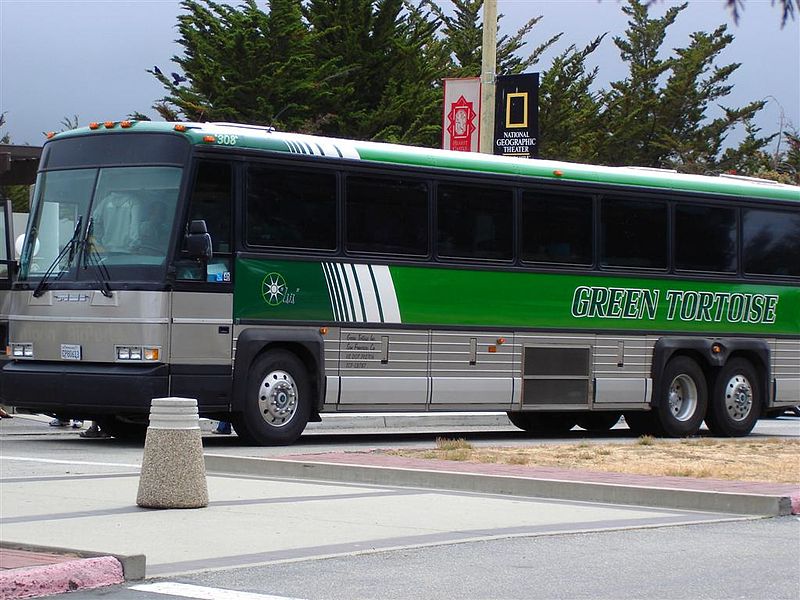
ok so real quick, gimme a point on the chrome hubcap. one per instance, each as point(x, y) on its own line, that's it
point(682, 397)
point(738, 397)
point(277, 398)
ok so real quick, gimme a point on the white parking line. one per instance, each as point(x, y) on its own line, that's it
point(54, 461)
point(186, 590)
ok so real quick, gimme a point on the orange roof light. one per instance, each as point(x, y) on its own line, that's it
point(126, 124)
point(558, 173)
point(109, 124)
point(50, 134)
point(210, 139)
point(180, 127)
point(94, 125)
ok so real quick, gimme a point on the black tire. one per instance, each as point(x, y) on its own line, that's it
point(542, 423)
point(277, 403)
point(124, 428)
point(736, 400)
point(597, 421)
point(682, 398)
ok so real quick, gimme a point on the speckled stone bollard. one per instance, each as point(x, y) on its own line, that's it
point(173, 470)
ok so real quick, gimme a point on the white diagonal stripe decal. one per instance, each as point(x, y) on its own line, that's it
point(369, 294)
point(388, 296)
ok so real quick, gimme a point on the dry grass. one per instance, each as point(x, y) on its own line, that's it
point(772, 460)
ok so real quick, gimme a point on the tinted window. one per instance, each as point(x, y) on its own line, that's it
point(387, 215)
point(211, 202)
point(557, 229)
point(633, 233)
point(474, 222)
point(291, 209)
point(705, 238)
point(115, 149)
point(771, 242)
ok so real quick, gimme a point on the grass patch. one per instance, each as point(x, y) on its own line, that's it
point(773, 460)
point(447, 445)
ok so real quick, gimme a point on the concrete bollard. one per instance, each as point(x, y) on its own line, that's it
point(173, 470)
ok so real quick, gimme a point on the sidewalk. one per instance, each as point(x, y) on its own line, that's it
point(739, 497)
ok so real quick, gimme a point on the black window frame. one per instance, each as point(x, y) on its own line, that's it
point(296, 166)
point(505, 184)
point(403, 175)
point(675, 205)
point(592, 199)
point(761, 277)
point(434, 177)
point(599, 234)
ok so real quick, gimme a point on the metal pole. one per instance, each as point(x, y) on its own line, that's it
point(488, 73)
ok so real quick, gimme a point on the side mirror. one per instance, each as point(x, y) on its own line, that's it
point(198, 242)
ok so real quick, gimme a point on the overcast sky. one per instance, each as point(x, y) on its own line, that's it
point(61, 58)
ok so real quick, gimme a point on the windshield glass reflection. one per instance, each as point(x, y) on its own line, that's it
point(127, 216)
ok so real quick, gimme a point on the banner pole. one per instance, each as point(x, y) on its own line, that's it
point(488, 73)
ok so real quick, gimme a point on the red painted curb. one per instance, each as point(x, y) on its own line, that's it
point(796, 504)
point(68, 576)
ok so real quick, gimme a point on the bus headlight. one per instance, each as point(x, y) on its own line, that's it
point(21, 350)
point(137, 353)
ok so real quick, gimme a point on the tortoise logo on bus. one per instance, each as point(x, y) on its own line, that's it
point(275, 291)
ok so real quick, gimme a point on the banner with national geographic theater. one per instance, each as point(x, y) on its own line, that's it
point(516, 124)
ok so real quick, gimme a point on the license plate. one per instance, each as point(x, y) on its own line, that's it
point(70, 352)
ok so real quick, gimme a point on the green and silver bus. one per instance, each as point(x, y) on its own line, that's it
point(275, 277)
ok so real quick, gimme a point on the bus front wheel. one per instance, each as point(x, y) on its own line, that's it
point(682, 398)
point(278, 402)
point(736, 401)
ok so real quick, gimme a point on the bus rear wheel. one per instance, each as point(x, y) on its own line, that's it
point(277, 403)
point(735, 401)
point(682, 398)
point(542, 423)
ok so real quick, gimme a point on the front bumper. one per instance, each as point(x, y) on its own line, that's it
point(82, 389)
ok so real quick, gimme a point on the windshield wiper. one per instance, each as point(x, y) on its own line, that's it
point(68, 250)
point(91, 255)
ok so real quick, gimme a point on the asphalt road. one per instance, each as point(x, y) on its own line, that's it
point(751, 559)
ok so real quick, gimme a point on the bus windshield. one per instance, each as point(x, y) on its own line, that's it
point(120, 218)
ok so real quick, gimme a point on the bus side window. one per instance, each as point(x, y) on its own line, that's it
point(211, 201)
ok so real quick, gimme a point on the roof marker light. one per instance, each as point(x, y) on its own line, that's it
point(180, 127)
point(94, 125)
point(109, 124)
point(50, 134)
point(210, 139)
point(558, 173)
point(126, 124)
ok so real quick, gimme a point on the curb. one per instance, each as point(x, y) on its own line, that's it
point(657, 497)
point(87, 570)
point(69, 576)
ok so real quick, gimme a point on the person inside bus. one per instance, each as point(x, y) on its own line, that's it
point(153, 232)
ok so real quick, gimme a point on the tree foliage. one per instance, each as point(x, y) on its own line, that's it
point(373, 69)
point(659, 114)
